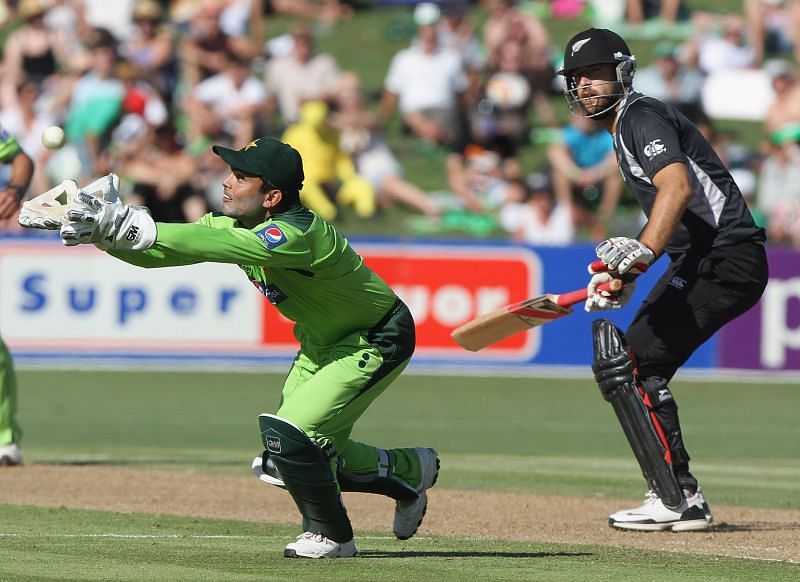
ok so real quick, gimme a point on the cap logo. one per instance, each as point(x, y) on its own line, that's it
point(576, 46)
point(252, 144)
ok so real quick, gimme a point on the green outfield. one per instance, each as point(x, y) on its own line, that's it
point(537, 435)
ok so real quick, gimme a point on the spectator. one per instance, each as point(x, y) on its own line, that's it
point(499, 120)
point(330, 172)
point(773, 26)
point(728, 51)
point(475, 177)
point(162, 173)
point(506, 21)
point(425, 82)
point(23, 119)
point(778, 196)
point(203, 50)
point(143, 110)
point(95, 105)
point(32, 51)
point(785, 109)
point(226, 104)
point(302, 76)
point(670, 81)
point(151, 48)
point(457, 32)
point(665, 11)
point(539, 218)
point(370, 152)
point(585, 168)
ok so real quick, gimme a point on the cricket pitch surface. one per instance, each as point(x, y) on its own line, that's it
point(757, 533)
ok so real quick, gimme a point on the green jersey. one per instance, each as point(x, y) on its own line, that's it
point(9, 147)
point(306, 269)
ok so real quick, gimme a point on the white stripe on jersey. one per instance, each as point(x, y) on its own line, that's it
point(707, 199)
point(709, 205)
point(633, 165)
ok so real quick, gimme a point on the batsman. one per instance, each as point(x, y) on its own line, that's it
point(356, 336)
point(697, 216)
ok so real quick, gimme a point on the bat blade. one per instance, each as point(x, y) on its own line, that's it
point(504, 322)
point(501, 323)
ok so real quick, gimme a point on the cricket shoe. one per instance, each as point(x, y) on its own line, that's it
point(653, 515)
point(311, 545)
point(10, 455)
point(408, 514)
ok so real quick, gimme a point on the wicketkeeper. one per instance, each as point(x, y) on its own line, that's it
point(356, 336)
point(718, 269)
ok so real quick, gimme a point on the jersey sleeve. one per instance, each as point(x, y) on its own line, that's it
point(201, 242)
point(653, 140)
point(9, 146)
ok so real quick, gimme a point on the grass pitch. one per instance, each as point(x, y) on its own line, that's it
point(544, 435)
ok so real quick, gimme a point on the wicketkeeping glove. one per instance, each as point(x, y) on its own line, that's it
point(621, 253)
point(48, 211)
point(108, 225)
point(599, 300)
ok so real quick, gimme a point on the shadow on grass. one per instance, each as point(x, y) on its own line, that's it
point(412, 554)
point(754, 526)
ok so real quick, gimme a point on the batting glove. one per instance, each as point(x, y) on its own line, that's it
point(108, 225)
point(600, 300)
point(621, 253)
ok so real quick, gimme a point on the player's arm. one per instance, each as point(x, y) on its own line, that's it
point(674, 193)
point(21, 173)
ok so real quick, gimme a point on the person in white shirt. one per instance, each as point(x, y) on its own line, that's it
point(227, 104)
point(424, 83)
point(540, 219)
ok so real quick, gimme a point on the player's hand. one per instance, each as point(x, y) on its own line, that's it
point(108, 225)
point(621, 253)
point(602, 300)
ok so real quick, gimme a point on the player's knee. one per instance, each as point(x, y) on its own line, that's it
point(657, 391)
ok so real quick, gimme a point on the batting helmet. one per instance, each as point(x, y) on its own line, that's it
point(596, 46)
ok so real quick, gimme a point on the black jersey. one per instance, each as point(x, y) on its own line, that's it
point(649, 136)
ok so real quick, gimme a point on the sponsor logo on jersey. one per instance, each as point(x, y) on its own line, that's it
point(576, 46)
point(654, 148)
point(272, 236)
point(664, 395)
point(678, 283)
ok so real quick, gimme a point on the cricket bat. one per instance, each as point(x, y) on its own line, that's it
point(501, 323)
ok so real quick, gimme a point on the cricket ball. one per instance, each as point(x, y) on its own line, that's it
point(53, 137)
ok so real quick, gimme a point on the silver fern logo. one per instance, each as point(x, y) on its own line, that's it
point(576, 46)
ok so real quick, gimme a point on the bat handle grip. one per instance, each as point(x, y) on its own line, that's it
point(580, 295)
point(600, 267)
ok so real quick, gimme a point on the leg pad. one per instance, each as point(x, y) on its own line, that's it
point(307, 475)
point(613, 371)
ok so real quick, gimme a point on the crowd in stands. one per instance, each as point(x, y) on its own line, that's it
point(144, 87)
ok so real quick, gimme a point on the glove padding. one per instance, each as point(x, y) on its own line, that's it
point(48, 211)
point(621, 253)
point(108, 225)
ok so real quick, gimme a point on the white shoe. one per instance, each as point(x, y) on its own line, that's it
point(408, 514)
point(311, 545)
point(653, 515)
point(10, 455)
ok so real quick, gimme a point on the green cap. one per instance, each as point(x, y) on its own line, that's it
point(278, 163)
